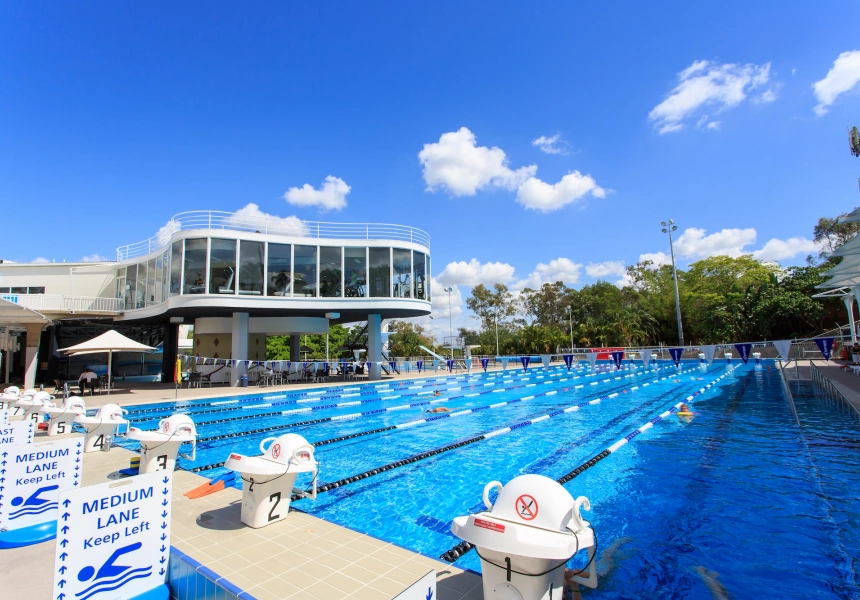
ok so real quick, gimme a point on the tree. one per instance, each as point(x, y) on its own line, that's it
point(278, 346)
point(406, 337)
point(831, 234)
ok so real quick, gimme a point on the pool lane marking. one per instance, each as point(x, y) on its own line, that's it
point(450, 415)
point(463, 547)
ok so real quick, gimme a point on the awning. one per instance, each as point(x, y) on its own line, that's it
point(12, 313)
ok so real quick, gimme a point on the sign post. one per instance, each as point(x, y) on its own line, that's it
point(115, 537)
point(31, 479)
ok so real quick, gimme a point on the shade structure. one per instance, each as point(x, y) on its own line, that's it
point(110, 342)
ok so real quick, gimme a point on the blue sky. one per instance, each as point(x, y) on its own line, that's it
point(115, 117)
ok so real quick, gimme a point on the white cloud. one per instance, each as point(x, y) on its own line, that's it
point(94, 258)
point(706, 84)
point(474, 272)
point(776, 249)
point(250, 217)
point(713, 126)
point(658, 258)
point(559, 269)
point(550, 145)
point(606, 268)
point(793, 71)
point(457, 164)
point(40, 261)
point(545, 197)
point(842, 77)
point(331, 196)
point(693, 243)
point(765, 98)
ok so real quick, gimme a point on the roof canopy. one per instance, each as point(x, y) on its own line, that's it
point(110, 341)
point(12, 313)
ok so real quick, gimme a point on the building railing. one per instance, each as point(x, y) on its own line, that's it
point(69, 304)
point(287, 226)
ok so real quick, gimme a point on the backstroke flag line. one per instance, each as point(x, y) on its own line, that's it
point(646, 357)
point(484, 363)
point(783, 347)
point(709, 351)
point(825, 345)
point(568, 360)
point(592, 359)
point(675, 353)
point(618, 357)
point(744, 351)
point(525, 360)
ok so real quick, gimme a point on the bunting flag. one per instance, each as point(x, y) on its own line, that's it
point(618, 357)
point(825, 345)
point(783, 347)
point(419, 364)
point(568, 360)
point(545, 359)
point(369, 368)
point(393, 365)
point(468, 363)
point(709, 352)
point(744, 351)
point(450, 364)
point(505, 360)
point(435, 366)
point(198, 360)
point(525, 360)
point(247, 363)
point(645, 355)
point(675, 353)
point(406, 366)
point(592, 359)
point(484, 363)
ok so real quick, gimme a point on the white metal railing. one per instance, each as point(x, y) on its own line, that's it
point(288, 226)
point(70, 304)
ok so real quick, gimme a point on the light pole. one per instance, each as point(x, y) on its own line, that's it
point(668, 227)
point(450, 321)
point(496, 315)
point(570, 317)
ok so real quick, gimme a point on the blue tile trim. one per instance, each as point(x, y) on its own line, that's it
point(183, 591)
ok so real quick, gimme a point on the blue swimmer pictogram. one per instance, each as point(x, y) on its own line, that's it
point(111, 576)
point(34, 505)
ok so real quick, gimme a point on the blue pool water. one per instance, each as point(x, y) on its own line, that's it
point(752, 490)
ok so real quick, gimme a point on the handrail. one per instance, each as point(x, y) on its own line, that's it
point(71, 304)
point(287, 226)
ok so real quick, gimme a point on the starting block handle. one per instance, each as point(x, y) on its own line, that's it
point(591, 580)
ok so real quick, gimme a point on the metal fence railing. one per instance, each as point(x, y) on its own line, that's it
point(289, 226)
point(69, 304)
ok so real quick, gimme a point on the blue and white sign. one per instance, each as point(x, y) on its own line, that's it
point(32, 477)
point(17, 432)
point(423, 589)
point(675, 353)
point(617, 357)
point(744, 351)
point(825, 345)
point(568, 360)
point(113, 539)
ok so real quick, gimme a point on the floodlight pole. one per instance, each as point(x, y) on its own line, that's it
point(570, 317)
point(668, 227)
point(450, 321)
point(496, 315)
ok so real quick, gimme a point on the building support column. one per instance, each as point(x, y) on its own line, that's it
point(849, 305)
point(31, 354)
point(374, 346)
point(169, 348)
point(239, 350)
point(295, 348)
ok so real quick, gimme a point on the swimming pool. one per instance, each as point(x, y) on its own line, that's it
point(742, 490)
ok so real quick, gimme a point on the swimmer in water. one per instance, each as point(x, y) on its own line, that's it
point(437, 393)
point(439, 409)
point(685, 413)
point(711, 581)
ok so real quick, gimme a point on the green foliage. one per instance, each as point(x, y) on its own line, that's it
point(406, 337)
point(278, 346)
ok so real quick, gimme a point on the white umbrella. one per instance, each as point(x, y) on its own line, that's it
point(109, 342)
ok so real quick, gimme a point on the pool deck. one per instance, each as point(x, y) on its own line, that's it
point(300, 557)
point(843, 379)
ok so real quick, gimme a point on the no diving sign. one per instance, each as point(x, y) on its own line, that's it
point(527, 507)
point(113, 539)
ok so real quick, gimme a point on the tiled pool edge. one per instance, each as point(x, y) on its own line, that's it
point(185, 572)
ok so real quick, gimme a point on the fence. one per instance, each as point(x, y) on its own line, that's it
point(70, 304)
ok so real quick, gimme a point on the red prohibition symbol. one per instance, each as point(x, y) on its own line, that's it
point(276, 451)
point(527, 507)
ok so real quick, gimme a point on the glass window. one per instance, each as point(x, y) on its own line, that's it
point(165, 274)
point(402, 273)
point(222, 267)
point(36, 290)
point(140, 296)
point(19, 290)
point(130, 287)
point(150, 282)
point(330, 271)
point(195, 267)
point(4, 290)
point(420, 275)
point(176, 268)
point(355, 272)
point(155, 293)
point(380, 272)
point(305, 271)
point(280, 271)
point(120, 282)
point(429, 278)
point(251, 268)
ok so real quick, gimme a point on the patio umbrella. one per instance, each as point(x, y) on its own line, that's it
point(110, 342)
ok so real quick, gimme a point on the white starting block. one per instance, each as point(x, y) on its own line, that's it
point(527, 537)
point(9, 395)
point(159, 448)
point(729, 356)
point(60, 418)
point(102, 427)
point(26, 395)
point(267, 480)
point(32, 405)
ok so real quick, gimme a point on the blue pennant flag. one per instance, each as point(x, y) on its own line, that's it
point(484, 363)
point(435, 366)
point(199, 359)
point(825, 345)
point(525, 360)
point(247, 363)
point(419, 364)
point(568, 360)
point(450, 364)
point(744, 351)
point(675, 353)
point(618, 357)
point(393, 365)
